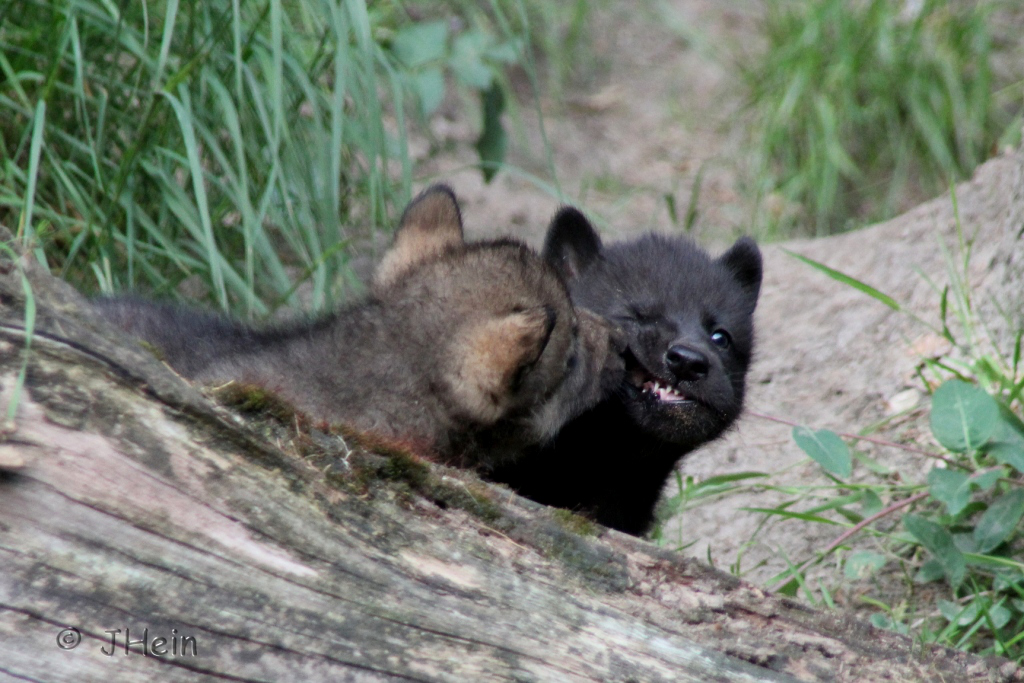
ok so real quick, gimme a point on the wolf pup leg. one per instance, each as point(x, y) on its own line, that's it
point(688, 323)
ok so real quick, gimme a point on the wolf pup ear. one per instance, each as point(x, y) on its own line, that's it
point(571, 244)
point(743, 260)
point(430, 224)
point(491, 356)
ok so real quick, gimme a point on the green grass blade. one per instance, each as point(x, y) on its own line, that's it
point(847, 280)
point(26, 227)
point(183, 113)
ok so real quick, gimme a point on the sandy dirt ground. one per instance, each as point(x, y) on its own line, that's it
point(656, 115)
point(663, 111)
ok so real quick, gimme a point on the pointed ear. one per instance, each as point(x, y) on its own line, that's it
point(430, 224)
point(743, 260)
point(571, 244)
point(491, 356)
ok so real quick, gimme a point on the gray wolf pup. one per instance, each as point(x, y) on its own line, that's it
point(688, 321)
point(468, 352)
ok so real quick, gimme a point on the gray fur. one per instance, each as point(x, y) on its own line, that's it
point(471, 352)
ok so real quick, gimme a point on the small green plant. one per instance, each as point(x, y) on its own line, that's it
point(692, 492)
point(560, 34)
point(962, 525)
point(965, 528)
point(476, 60)
point(859, 106)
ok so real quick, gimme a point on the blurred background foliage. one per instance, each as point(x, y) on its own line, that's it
point(243, 147)
point(242, 152)
point(861, 109)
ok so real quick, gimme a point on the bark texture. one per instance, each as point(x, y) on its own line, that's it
point(147, 533)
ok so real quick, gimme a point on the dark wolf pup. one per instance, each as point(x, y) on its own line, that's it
point(688, 321)
point(471, 352)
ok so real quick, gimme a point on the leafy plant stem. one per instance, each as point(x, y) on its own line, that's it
point(869, 439)
point(531, 71)
point(867, 521)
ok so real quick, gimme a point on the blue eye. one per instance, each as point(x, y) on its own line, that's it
point(721, 339)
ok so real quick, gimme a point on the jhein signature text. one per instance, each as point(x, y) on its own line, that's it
point(160, 646)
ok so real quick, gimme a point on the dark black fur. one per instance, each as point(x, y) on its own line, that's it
point(688, 320)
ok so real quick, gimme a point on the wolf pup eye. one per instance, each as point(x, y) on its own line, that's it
point(643, 314)
point(721, 339)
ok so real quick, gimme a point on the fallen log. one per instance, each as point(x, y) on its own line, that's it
point(149, 533)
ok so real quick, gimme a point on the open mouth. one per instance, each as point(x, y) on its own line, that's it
point(651, 385)
point(664, 393)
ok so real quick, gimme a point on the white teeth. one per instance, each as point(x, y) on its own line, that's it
point(664, 393)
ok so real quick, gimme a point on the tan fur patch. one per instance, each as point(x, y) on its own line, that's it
point(430, 225)
point(490, 354)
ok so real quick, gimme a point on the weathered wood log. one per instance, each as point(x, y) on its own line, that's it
point(147, 533)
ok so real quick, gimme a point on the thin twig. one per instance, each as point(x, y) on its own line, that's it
point(892, 444)
point(870, 439)
point(878, 515)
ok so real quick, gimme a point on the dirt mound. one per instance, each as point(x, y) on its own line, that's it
point(832, 357)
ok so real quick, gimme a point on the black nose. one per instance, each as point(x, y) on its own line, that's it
point(687, 364)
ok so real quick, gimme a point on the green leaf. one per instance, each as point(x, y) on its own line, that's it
point(1010, 427)
point(950, 488)
point(1000, 520)
point(999, 615)
point(826, 448)
point(847, 280)
point(870, 504)
point(419, 44)
point(493, 141)
point(939, 543)
point(863, 564)
point(789, 588)
point(1007, 443)
point(429, 87)
point(872, 465)
point(506, 53)
point(964, 541)
point(1011, 454)
point(879, 620)
point(467, 60)
point(929, 571)
point(961, 615)
point(963, 416)
point(984, 480)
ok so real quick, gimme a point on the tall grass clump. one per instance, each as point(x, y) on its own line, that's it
point(242, 144)
point(215, 139)
point(862, 108)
